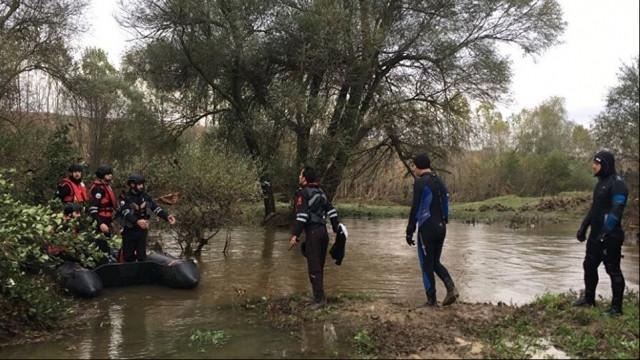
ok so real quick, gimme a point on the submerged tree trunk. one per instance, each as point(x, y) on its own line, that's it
point(267, 195)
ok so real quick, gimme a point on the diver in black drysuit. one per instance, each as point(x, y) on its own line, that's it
point(606, 236)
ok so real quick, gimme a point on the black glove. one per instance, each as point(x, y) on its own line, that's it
point(582, 234)
point(410, 240)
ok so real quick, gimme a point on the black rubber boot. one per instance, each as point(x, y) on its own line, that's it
point(613, 311)
point(431, 298)
point(318, 303)
point(616, 307)
point(588, 299)
point(452, 293)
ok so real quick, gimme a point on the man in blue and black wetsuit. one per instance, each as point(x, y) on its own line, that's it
point(606, 235)
point(430, 212)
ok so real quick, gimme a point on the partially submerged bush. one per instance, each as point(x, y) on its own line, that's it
point(25, 294)
point(212, 185)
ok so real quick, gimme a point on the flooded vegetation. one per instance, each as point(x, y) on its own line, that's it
point(250, 303)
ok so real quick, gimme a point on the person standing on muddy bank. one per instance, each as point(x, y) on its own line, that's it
point(606, 236)
point(311, 205)
point(430, 213)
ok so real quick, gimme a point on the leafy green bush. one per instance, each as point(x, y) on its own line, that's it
point(213, 185)
point(40, 165)
point(26, 294)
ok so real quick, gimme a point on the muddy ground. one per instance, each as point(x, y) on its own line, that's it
point(396, 329)
point(380, 328)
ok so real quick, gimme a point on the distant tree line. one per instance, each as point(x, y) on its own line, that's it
point(355, 88)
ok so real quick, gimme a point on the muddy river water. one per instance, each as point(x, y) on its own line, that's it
point(490, 263)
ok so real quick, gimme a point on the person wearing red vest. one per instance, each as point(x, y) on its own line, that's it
point(71, 211)
point(103, 204)
point(71, 189)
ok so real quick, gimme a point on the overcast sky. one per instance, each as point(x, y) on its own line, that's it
point(600, 37)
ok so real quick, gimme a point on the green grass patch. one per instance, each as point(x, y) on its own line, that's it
point(363, 343)
point(204, 338)
point(523, 210)
point(503, 209)
point(360, 210)
point(579, 332)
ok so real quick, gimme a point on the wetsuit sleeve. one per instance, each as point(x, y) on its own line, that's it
point(415, 204)
point(586, 222)
point(96, 194)
point(619, 200)
point(63, 191)
point(333, 216)
point(157, 209)
point(302, 214)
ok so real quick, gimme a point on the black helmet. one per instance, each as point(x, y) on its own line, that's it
point(71, 207)
point(136, 179)
point(75, 167)
point(103, 170)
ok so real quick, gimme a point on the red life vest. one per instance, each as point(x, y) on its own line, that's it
point(78, 191)
point(108, 203)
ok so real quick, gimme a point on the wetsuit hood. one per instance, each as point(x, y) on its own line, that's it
point(608, 163)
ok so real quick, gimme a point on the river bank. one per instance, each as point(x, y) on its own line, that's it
point(513, 211)
point(549, 327)
point(361, 326)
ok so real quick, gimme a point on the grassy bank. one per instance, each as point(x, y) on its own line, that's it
point(524, 210)
point(505, 209)
point(549, 327)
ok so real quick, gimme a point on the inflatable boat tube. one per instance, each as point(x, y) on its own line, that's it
point(78, 280)
point(157, 269)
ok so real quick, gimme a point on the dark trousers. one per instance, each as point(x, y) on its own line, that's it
point(134, 244)
point(430, 243)
point(315, 250)
point(102, 243)
point(608, 251)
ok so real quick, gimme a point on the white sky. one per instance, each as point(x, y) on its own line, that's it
point(600, 37)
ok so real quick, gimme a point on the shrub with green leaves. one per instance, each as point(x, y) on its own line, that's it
point(26, 295)
point(213, 184)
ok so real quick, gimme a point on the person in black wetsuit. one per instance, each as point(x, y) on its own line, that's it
point(604, 243)
point(430, 212)
point(311, 206)
point(136, 208)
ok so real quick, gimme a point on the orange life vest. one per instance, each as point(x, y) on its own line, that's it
point(78, 192)
point(108, 203)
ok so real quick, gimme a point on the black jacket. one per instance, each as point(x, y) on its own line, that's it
point(311, 206)
point(609, 199)
point(136, 206)
point(430, 202)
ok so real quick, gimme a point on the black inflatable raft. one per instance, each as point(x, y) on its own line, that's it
point(158, 268)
